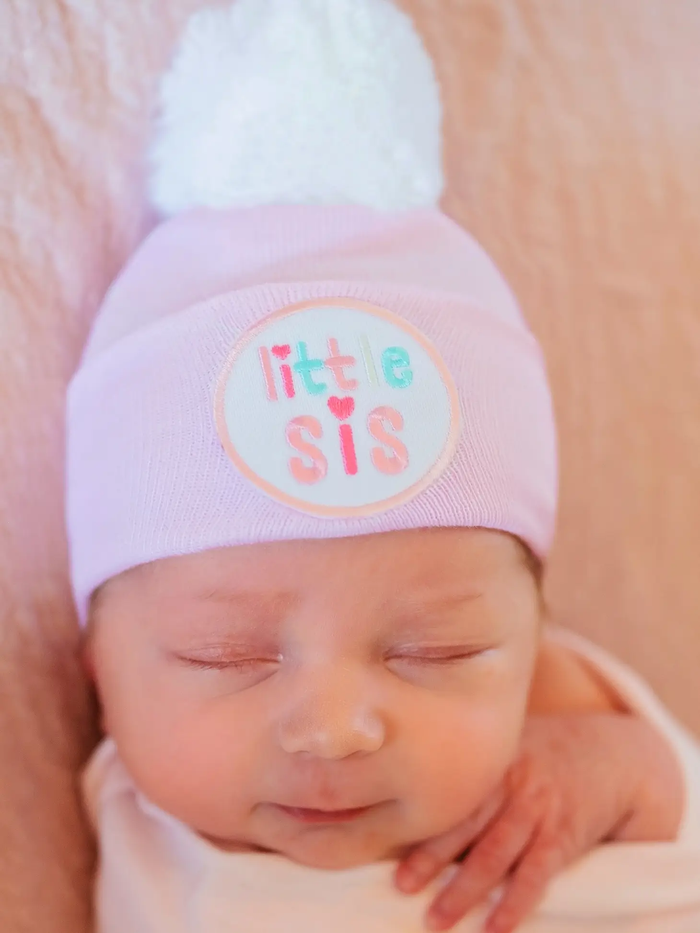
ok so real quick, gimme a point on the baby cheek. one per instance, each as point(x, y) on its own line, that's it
point(463, 757)
point(194, 761)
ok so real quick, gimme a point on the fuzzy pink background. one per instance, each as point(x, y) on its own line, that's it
point(573, 147)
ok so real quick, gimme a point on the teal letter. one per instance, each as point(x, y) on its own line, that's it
point(393, 359)
point(304, 367)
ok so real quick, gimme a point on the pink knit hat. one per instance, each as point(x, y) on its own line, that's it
point(319, 356)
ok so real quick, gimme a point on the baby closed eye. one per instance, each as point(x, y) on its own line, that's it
point(230, 659)
point(226, 658)
point(435, 656)
point(239, 664)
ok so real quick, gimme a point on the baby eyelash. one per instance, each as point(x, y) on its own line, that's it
point(244, 664)
point(239, 664)
point(439, 659)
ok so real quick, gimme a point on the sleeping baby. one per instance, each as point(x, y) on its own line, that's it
point(311, 492)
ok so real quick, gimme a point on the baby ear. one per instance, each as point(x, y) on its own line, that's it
point(87, 660)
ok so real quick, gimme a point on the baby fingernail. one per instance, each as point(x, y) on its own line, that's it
point(496, 925)
point(413, 875)
point(437, 920)
point(407, 882)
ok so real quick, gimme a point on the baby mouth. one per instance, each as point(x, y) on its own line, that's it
point(305, 815)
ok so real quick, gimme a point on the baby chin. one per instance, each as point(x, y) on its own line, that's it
point(332, 840)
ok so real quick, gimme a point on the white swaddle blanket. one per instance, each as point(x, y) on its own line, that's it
point(157, 876)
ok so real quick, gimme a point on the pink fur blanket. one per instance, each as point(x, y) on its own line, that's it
point(573, 147)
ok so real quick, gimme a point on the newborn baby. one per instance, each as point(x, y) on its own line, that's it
point(338, 702)
point(311, 491)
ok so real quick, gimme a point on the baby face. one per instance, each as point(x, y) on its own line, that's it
point(333, 701)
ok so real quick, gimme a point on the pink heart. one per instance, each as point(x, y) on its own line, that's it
point(281, 352)
point(342, 408)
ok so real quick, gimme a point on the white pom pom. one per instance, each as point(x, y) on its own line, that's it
point(299, 102)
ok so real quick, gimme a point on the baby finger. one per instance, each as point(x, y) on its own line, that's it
point(528, 883)
point(485, 866)
point(429, 858)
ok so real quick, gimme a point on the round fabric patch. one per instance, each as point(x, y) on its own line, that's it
point(337, 408)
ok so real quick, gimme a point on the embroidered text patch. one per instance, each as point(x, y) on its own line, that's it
point(337, 408)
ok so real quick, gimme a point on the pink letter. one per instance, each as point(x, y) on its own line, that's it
point(347, 449)
point(267, 372)
point(375, 422)
point(319, 465)
point(337, 364)
point(287, 380)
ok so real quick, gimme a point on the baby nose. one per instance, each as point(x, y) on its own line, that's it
point(331, 717)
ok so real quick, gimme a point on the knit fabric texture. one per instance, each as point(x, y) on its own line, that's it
point(148, 476)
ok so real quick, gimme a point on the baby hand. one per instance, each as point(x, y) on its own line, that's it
point(578, 780)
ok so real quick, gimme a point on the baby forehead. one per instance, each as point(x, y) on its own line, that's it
point(405, 577)
point(420, 561)
point(272, 595)
point(321, 616)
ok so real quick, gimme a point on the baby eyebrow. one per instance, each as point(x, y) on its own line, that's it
point(438, 604)
point(251, 601)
